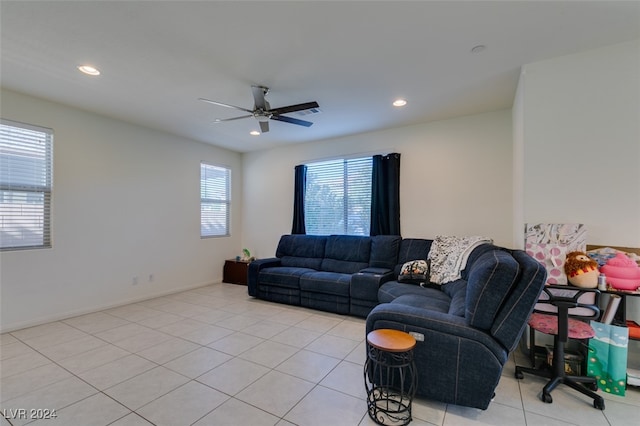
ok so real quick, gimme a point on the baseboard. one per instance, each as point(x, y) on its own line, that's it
point(6, 328)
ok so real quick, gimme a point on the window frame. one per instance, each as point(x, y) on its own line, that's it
point(26, 147)
point(220, 201)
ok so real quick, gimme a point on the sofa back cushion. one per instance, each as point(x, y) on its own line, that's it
point(412, 249)
point(490, 280)
point(346, 254)
point(384, 251)
point(301, 251)
point(514, 314)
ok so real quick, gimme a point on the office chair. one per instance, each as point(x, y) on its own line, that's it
point(559, 312)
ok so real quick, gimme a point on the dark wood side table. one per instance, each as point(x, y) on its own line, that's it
point(235, 271)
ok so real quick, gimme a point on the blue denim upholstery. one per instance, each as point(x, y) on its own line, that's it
point(384, 251)
point(346, 254)
point(412, 249)
point(305, 251)
point(316, 271)
point(469, 325)
point(491, 277)
point(327, 291)
point(513, 316)
point(364, 289)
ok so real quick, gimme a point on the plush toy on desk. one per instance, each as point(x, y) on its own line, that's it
point(581, 270)
point(622, 273)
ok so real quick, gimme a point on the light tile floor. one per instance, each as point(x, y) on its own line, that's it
point(214, 356)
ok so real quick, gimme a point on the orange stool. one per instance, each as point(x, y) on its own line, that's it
point(390, 376)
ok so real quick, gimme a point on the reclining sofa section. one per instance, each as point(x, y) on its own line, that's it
point(465, 328)
point(337, 273)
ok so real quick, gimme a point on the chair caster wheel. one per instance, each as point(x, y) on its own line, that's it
point(546, 398)
point(598, 403)
point(519, 375)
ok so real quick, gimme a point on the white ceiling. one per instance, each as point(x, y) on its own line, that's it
point(354, 58)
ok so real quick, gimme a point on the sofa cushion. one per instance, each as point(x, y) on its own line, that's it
point(346, 254)
point(283, 276)
point(393, 289)
point(414, 272)
point(491, 277)
point(384, 251)
point(304, 251)
point(412, 249)
point(432, 300)
point(457, 291)
point(326, 283)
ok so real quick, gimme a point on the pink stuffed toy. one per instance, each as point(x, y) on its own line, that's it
point(622, 272)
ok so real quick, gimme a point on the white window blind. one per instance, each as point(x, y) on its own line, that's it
point(338, 197)
point(25, 185)
point(215, 200)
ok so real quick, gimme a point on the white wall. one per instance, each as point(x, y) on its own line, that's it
point(455, 178)
point(578, 145)
point(581, 142)
point(126, 202)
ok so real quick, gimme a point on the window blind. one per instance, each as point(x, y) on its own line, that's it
point(215, 200)
point(338, 197)
point(26, 153)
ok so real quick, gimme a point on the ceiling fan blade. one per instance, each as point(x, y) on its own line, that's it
point(218, 120)
point(294, 108)
point(224, 105)
point(291, 120)
point(258, 96)
point(264, 126)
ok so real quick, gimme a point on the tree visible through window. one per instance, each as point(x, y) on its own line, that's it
point(215, 200)
point(25, 185)
point(338, 197)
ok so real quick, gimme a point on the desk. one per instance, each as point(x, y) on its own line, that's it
point(235, 271)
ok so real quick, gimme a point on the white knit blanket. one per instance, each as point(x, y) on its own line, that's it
point(449, 255)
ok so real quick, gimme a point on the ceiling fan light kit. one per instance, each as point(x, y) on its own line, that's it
point(263, 113)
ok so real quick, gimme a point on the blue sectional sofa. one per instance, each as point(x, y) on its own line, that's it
point(465, 328)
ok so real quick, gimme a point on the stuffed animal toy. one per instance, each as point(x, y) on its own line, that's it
point(581, 270)
point(622, 273)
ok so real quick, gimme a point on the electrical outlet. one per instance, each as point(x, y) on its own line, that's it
point(134, 280)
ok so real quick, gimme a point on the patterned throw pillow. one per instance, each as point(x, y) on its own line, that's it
point(414, 272)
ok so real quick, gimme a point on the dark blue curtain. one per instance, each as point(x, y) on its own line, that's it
point(300, 183)
point(385, 195)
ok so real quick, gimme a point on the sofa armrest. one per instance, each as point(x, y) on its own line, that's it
point(365, 284)
point(455, 363)
point(254, 272)
point(376, 271)
point(425, 321)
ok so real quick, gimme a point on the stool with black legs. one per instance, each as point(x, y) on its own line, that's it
point(390, 376)
point(561, 312)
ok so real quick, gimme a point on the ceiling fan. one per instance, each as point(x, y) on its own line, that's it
point(263, 113)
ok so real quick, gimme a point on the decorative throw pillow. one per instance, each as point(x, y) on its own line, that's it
point(414, 272)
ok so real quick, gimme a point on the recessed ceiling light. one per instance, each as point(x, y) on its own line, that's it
point(89, 70)
point(254, 133)
point(479, 48)
point(399, 102)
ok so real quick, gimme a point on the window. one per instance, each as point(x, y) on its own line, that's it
point(338, 197)
point(215, 200)
point(25, 186)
